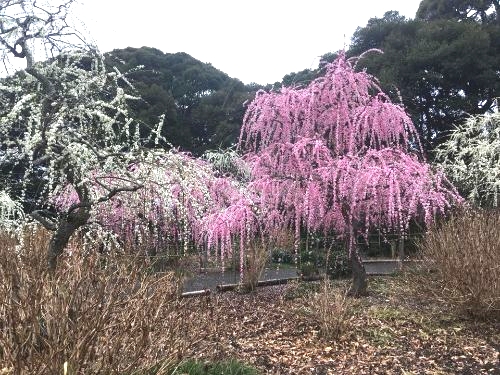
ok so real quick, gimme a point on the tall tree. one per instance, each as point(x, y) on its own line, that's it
point(202, 106)
point(68, 125)
point(26, 23)
point(445, 69)
point(336, 155)
point(483, 11)
point(65, 120)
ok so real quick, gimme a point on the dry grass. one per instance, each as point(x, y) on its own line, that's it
point(332, 310)
point(465, 254)
point(257, 255)
point(109, 315)
point(96, 314)
point(256, 258)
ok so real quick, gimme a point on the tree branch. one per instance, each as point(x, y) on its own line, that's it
point(111, 194)
point(45, 221)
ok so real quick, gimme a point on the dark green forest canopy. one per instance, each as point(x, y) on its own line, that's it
point(484, 11)
point(202, 106)
point(445, 69)
point(444, 65)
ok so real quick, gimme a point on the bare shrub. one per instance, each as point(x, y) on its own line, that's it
point(256, 259)
point(96, 314)
point(332, 310)
point(258, 253)
point(465, 254)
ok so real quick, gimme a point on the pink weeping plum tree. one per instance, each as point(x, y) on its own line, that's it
point(337, 156)
point(178, 193)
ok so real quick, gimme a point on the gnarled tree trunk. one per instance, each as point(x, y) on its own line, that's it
point(359, 282)
point(67, 226)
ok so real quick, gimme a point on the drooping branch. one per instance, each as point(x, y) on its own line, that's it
point(336, 155)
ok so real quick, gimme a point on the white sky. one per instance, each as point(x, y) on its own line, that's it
point(255, 40)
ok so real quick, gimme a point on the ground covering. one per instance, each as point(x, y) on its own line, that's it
point(395, 330)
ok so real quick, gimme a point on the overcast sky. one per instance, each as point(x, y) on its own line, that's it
point(255, 40)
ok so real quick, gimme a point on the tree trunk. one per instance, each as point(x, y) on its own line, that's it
point(359, 282)
point(68, 224)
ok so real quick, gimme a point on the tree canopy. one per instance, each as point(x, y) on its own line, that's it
point(335, 156)
point(66, 124)
point(484, 11)
point(445, 69)
point(202, 107)
point(442, 65)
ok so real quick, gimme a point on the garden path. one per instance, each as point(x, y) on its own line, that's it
point(210, 279)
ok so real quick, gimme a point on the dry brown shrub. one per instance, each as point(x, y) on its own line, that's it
point(463, 256)
point(332, 309)
point(95, 314)
point(257, 255)
point(256, 259)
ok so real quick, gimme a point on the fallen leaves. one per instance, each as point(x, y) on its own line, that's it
point(387, 335)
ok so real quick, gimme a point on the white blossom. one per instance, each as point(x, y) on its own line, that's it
point(11, 212)
point(471, 158)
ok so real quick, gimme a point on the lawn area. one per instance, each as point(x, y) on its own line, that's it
point(392, 331)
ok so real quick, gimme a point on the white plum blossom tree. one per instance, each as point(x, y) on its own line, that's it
point(37, 28)
point(68, 125)
point(471, 158)
point(62, 122)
